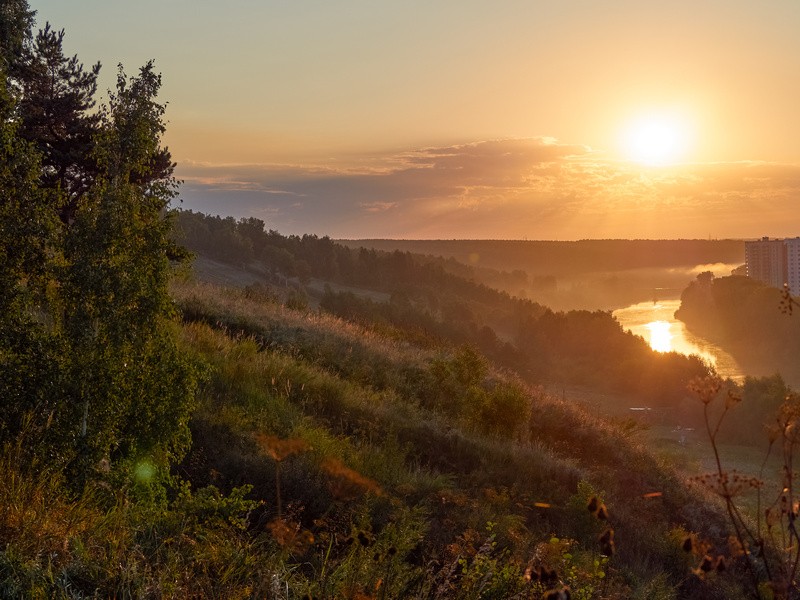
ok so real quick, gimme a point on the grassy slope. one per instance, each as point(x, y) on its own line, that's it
point(355, 395)
point(373, 468)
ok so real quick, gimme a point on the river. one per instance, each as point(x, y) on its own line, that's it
point(656, 323)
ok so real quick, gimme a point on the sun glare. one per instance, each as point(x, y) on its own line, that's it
point(660, 336)
point(656, 139)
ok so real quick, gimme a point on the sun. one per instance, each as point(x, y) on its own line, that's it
point(657, 139)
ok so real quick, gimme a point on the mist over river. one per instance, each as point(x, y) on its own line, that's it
point(656, 323)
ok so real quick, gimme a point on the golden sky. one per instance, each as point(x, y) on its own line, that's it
point(471, 119)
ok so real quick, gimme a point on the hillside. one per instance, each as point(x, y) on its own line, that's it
point(402, 452)
point(402, 375)
point(434, 444)
point(585, 274)
point(427, 302)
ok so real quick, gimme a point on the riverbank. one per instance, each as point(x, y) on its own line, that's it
point(745, 317)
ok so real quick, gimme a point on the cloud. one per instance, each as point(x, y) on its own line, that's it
point(378, 206)
point(508, 188)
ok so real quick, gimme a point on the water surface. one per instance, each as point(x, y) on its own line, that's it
point(656, 323)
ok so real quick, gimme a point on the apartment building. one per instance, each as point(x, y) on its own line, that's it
point(793, 265)
point(766, 261)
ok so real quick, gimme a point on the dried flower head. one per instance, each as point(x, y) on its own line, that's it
point(559, 594)
point(733, 399)
point(602, 513)
point(543, 575)
point(706, 388)
point(290, 535)
point(280, 449)
point(707, 564)
point(347, 483)
point(607, 545)
point(728, 485)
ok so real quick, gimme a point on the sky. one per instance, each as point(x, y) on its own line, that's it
point(502, 119)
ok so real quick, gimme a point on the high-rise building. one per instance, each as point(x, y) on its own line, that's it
point(793, 265)
point(766, 261)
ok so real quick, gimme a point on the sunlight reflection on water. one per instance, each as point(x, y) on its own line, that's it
point(656, 323)
point(660, 337)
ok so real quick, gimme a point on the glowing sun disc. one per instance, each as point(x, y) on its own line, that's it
point(656, 139)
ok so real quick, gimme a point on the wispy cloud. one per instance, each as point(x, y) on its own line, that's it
point(379, 206)
point(501, 189)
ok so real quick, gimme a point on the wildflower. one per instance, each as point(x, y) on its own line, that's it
point(607, 544)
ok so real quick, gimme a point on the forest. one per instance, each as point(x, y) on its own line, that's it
point(350, 423)
point(750, 318)
point(583, 274)
point(541, 257)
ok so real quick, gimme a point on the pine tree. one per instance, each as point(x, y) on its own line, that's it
point(56, 114)
point(16, 22)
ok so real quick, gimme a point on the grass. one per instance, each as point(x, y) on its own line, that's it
point(437, 459)
point(330, 461)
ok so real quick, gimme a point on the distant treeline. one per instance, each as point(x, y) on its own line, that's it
point(578, 347)
point(568, 258)
point(245, 241)
point(745, 317)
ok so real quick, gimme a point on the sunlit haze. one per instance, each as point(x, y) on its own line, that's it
point(471, 119)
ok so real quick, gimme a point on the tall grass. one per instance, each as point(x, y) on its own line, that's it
point(446, 459)
point(57, 545)
point(329, 461)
